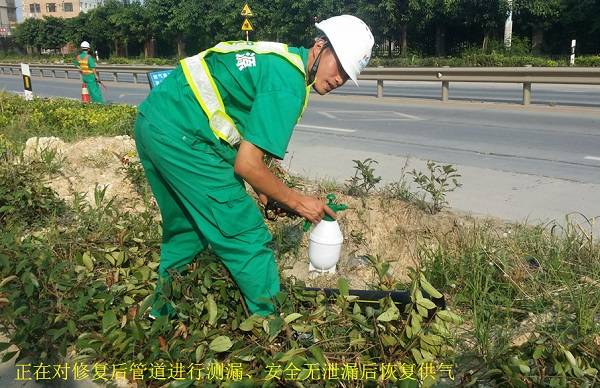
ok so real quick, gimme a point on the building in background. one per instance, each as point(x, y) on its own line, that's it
point(8, 16)
point(57, 8)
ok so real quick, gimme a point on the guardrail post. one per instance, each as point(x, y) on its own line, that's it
point(445, 90)
point(379, 85)
point(53, 73)
point(526, 93)
point(116, 78)
point(527, 90)
point(379, 88)
point(135, 79)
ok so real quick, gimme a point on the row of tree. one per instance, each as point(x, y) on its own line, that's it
point(428, 27)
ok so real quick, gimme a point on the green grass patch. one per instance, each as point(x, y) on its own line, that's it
point(532, 296)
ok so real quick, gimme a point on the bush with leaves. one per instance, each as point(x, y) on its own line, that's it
point(24, 199)
point(440, 181)
point(67, 119)
point(364, 179)
point(79, 288)
point(86, 288)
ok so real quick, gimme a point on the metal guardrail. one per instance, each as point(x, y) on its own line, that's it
point(51, 71)
point(524, 75)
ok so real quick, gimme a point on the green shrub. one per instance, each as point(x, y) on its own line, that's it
point(80, 287)
point(67, 119)
point(85, 288)
point(364, 179)
point(441, 180)
point(494, 55)
point(588, 61)
point(24, 199)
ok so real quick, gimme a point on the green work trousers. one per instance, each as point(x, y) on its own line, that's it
point(202, 202)
point(93, 88)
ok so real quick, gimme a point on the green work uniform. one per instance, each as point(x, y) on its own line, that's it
point(90, 79)
point(201, 199)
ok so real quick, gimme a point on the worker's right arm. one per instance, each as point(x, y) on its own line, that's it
point(250, 166)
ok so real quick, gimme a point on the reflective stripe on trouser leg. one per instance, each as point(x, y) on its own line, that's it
point(206, 186)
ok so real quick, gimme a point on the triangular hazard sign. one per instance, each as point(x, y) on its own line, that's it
point(247, 26)
point(246, 11)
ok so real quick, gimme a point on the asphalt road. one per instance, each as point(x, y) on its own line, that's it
point(534, 163)
point(544, 94)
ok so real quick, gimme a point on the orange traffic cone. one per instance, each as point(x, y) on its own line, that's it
point(85, 96)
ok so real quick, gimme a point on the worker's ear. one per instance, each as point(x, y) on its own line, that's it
point(318, 46)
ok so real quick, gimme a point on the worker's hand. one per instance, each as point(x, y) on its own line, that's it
point(313, 209)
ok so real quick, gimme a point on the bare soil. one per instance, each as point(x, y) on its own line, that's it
point(94, 161)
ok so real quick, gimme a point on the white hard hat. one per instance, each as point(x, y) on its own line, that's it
point(351, 40)
point(85, 44)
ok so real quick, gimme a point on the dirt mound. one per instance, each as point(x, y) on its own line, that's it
point(381, 229)
point(86, 164)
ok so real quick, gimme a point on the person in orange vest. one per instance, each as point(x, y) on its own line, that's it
point(89, 75)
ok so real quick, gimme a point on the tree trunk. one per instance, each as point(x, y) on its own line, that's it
point(486, 40)
point(440, 40)
point(390, 47)
point(126, 43)
point(180, 46)
point(404, 39)
point(149, 45)
point(537, 38)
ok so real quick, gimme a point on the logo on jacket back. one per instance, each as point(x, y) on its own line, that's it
point(245, 60)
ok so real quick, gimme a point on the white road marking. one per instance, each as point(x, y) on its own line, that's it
point(596, 158)
point(132, 94)
point(367, 115)
point(326, 128)
point(328, 115)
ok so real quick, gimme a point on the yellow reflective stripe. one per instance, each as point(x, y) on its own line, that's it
point(305, 102)
point(191, 81)
point(83, 65)
point(280, 49)
point(212, 84)
point(224, 127)
point(205, 90)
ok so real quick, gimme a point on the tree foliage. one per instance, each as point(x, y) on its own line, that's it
point(182, 27)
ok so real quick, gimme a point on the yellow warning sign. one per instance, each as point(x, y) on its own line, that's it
point(246, 11)
point(247, 26)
